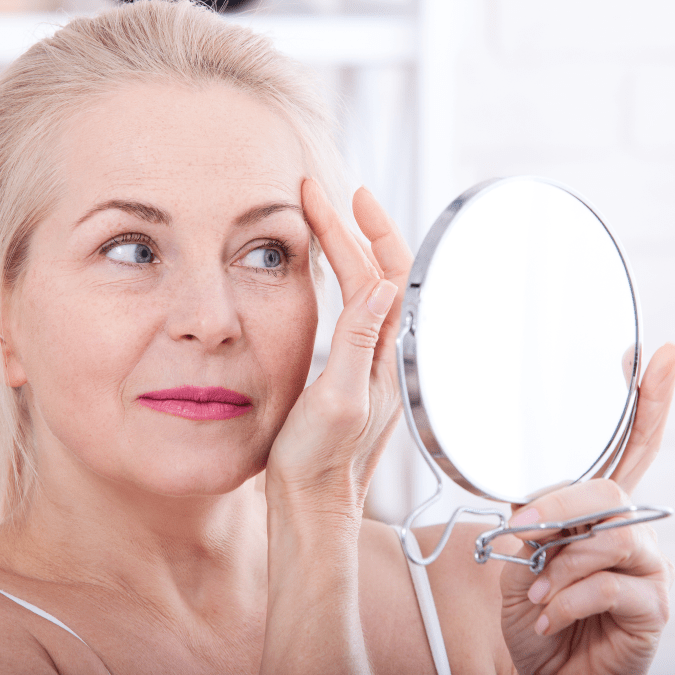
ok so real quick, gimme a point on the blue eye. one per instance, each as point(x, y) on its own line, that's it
point(265, 258)
point(131, 253)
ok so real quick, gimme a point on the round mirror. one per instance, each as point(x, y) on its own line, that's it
point(521, 341)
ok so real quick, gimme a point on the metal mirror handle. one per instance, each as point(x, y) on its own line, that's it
point(589, 524)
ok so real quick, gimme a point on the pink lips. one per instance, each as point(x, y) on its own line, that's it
point(198, 403)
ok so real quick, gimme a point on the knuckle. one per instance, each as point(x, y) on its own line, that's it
point(362, 337)
point(670, 570)
point(338, 408)
point(653, 536)
point(568, 564)
point(639, 436)
point(401, 269)
point(626, 540)
point(566, 607)
point(613, 492)
point(663, 608)
point(558, 502)
point(607, 587)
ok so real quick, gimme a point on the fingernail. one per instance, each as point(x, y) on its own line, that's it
point(541, 625)
point(381, 298)
point(363, 187)
point(526, 517)
point(538, 590)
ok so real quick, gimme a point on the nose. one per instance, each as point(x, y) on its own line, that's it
point(204, 310)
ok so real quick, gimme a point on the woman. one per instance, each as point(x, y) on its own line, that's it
point(159, 229)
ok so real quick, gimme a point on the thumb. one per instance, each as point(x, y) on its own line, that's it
point(356, 335)
point(656, 392)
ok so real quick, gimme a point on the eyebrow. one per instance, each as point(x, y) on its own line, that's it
point(147, 212)
point(153, 214)
point(258, 213)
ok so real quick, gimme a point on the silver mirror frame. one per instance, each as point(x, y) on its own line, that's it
point(413, 399)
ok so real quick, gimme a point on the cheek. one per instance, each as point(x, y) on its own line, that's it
point(78, 346)
point(284, 333)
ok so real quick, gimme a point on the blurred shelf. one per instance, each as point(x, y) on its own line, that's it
point(325, 40)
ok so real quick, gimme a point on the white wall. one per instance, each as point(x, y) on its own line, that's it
point(584, 92)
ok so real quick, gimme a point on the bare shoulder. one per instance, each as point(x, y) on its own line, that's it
point(390, 615)
point(468, 598)
point(20, 651)
point(456, 577)
point(31, 644)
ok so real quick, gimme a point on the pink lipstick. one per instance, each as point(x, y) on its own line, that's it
point(198, 403)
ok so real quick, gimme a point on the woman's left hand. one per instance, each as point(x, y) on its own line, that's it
point(325, 454)
point(600, 604)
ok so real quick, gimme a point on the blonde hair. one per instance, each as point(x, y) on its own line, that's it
point(87, 59)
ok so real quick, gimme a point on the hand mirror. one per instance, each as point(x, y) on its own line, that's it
point(519, 352)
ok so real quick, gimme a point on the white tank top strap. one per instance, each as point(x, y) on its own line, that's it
point(427, 606)
point(49, 617)
point(42, 613)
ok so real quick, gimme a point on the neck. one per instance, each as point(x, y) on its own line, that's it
point(167, 549)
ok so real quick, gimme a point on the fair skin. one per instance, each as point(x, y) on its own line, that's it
point(151, 535)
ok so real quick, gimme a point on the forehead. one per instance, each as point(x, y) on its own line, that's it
point(212, 143)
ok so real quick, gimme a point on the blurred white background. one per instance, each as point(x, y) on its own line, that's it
point(441, 94)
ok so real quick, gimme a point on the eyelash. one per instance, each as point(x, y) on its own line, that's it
point(127, 238)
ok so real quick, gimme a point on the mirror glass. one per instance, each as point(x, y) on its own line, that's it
point(522, 362)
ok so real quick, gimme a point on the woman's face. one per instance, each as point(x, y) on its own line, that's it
point(179, 257)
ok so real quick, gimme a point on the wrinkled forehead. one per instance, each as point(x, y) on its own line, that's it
point(212, 143)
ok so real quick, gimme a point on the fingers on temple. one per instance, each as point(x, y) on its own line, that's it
point(387, 242)
point(344, 253)
point(394, 258)
point(574, 501)
point(656, 392)
point(634, 603)
point(352, 350)
point(369, 254)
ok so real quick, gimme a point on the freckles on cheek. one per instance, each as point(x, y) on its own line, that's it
point(77, 344)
